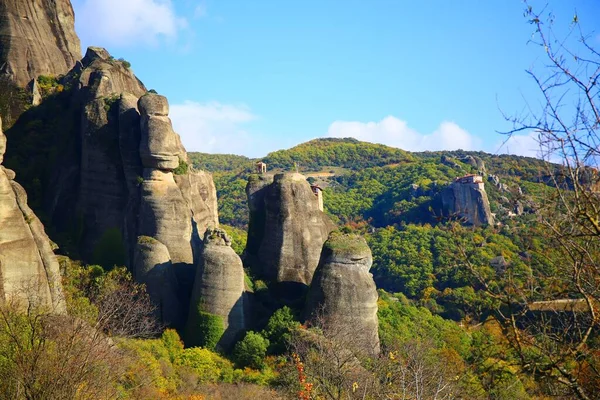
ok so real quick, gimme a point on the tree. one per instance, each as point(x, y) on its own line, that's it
point(48, 356)
point(251, 350)
point(551, 319)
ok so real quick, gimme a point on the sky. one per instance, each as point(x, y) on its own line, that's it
point(251, 77)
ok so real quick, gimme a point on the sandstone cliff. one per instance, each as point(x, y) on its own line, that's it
point(218, 288)
point(37, 37)
point(343, 295)
point(29, 271)
point(287, 229)
point(467, 199)
point(153, 267)
point(116, 177)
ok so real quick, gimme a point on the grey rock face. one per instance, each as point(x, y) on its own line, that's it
point(37, 37)
point(518, 208)
point(287, 228)
point(123, 180)
point(474, 162)
point(256, 189)
point(469, 201)
point(29, 271)
point(165, 215)
point(160, 146)
point(494, 179)
point(200, 194)
point(103, 188)
point(499, 264)
point(153, 267)
point(444, 159)
point(114, 182)
point(219, 286)
point(343, 294)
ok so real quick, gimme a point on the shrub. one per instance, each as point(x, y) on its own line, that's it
point(125, 63)
point(279, 328)
point(251, 351)
point(201, 362)
point(109, 101)
point(204, 329)
point(172, 343)
point(182, 168)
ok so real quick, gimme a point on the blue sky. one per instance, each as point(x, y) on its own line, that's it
point(250, 77)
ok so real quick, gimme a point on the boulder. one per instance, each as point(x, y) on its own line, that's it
point(474, 162)
point(343, 295)
point(153, 267)
point(499, 264)
point(218, 288)
point(37, 37)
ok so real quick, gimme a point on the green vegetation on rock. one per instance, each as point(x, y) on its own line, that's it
point(203, 329)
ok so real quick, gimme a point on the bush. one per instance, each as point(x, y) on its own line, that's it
point(204, 329)
point(125, 63)
point(201, 361)
point(279, 328)
point(251, 351)
point(182, 168)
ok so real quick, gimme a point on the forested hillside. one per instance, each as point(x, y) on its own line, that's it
point(394, 198)
point(441, 270)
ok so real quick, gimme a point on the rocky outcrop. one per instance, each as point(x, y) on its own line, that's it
point(343, 295)
point(200, 194)
point(103, 187)
point(29, 271)
point(153, 268)
point(37, 37)
point(164, 214)
point(466, 198)
point(218, 288)
point(115, 181)
point(475, 162)
point(287, 229)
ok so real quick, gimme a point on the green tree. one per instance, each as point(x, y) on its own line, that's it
point(251, 351)
point(279, 330)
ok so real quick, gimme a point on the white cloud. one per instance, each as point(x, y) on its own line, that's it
point(392, 131)
point(213, 127)
point(127, 22)
point(521, 145)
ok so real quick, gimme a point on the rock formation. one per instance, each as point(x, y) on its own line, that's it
point(37, 37)
point(29, 271)
point(474, 162)
point(103, 192)
point(153, 267)
point(343, 295)
point(116, 178)
point(164, 214)
point(287, 230)
point(219, 288)
point(467, 199)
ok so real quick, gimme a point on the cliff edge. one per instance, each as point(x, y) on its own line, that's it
point(37, 37)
